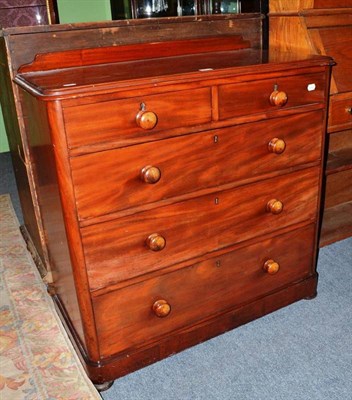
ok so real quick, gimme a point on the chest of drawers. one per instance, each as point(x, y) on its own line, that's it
point(180, 193)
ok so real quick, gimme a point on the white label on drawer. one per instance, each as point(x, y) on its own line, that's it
point(206, 69)
point(69, 84)
point(311, 87)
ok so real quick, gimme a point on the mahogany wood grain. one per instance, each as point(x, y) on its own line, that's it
point(253, 97)
point(115, 250)
point(199, 291)
point(103, 79)
point(118, 118)
point(192, 162)
point(112, 54)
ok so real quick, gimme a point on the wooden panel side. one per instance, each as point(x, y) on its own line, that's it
point(288, 34)
point(77, 269)
point(25, 46)
point(48, 158)
point(112, 54)
point(279, 6)
point(337, 43)
point(20, 158)
point(44, 168)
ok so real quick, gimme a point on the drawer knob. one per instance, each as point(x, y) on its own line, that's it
point(155, 242)
point(161, 308)
point(278, 98)
point(349, 110)
point(276, 146)
point(271, 267)
point(150, 174)
point(146, 119)
point(274, 206)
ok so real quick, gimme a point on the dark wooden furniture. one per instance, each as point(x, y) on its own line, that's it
point(325, 27)
point(178, 184)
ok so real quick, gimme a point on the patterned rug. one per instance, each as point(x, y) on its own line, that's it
point(37, 360)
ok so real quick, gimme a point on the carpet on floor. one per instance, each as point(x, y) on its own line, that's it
point(37, 360)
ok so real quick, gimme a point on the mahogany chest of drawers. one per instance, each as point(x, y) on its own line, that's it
point(179, 184)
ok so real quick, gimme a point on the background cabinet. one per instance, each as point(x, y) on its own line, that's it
point(325, 27)
point(122, 9)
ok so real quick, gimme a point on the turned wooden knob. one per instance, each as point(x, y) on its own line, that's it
point(146, 119)
point(161, 308)
point(271, 267)
point(274, 206)
point(150, 174)
point(276, 146)
point(278, 98)
point(155, 242)
point(349, 110)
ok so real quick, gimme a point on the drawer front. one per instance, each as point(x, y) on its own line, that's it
point(340, 113)
point(116, 120)
point(254, 97)
point(124, 178)
point(123, 248)
point(125, 318)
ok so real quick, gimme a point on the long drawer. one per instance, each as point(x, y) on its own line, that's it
point(109, 120)
point(143, 312)
point(254, 97)
point(135, 245)
point(150, 172)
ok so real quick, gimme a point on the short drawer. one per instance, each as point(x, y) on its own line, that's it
point(260, 96)
point(147, 241)
point(142, 313)
point(131, 120)
point(150, 172)
point(340, 113)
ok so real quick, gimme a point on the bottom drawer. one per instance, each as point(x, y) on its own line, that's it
point(138, 314)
